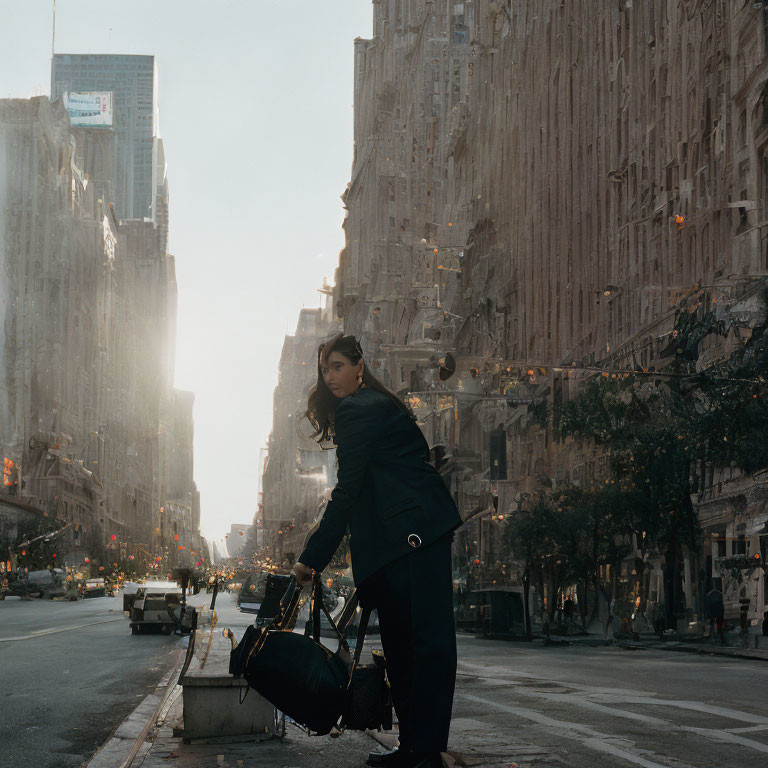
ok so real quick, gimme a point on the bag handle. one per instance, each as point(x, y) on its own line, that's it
point(289, 606)
point(284, 615)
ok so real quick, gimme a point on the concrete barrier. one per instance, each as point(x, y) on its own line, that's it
point(217, 704)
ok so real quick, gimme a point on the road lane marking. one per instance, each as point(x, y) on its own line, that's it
point(56, 630)
point(748, 729)
point(722, 735)
point(731, 738)
point(591, 738)
point(695, 706)
point(612, 695)
point(727, 735)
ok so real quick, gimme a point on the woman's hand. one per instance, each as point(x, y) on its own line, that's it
point(303, 574)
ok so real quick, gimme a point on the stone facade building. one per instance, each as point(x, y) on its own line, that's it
point(297, 473)
point(88, 413)
point(537, 188)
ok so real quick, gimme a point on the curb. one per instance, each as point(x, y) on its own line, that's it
point(714, 651)
point(590, 641)
point(122, 747)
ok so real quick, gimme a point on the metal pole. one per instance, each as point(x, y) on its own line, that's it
point(526, 605)
point(53, 35)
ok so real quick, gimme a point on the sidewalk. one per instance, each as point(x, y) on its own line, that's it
point(651, 641)
point(295, 750)
point(164, 748)
point(153, 735)
point(702, 646)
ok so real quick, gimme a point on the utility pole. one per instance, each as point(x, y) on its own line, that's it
point(53, 44)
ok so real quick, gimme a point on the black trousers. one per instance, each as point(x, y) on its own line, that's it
point(414, 599)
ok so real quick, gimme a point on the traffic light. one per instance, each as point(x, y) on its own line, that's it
point(757, 560)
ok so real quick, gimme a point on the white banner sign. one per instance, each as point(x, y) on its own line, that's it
point(89, 109)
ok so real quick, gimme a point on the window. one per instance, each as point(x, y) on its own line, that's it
point(498, 451)
point(655, 587)
point(720, 548)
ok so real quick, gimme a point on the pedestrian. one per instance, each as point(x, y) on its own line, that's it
point(744, 624)
point(658, 619)
point(610, 604)
point(568, 610)
point(401, 519)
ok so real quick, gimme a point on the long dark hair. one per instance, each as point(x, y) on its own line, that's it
point(321, 402)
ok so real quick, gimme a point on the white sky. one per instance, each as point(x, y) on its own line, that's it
point(256, 116)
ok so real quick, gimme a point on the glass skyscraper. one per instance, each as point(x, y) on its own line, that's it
point(133, 83)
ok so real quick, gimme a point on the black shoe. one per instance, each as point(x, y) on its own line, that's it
point(383, 758)
point(396, 758)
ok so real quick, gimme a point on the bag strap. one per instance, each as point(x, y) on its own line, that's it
point(361, 630)
point(349, 612)
point(318, 604)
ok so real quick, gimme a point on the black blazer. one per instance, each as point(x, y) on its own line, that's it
point(389, 498)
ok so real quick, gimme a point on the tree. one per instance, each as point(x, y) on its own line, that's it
point(529, 537)
point(644, 425)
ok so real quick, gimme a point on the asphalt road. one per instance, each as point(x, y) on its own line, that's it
point(605, 707)
point(69, 674)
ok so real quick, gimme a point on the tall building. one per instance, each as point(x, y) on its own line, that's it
point(298, 473)
point(92, 431)
point(513, 229)
point(236, 538)
point(132, 82)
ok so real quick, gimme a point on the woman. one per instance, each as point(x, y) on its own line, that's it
point(401, 519)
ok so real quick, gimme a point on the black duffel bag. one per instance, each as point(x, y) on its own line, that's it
point(302, 678)
point(239, 654)
point(297, 674)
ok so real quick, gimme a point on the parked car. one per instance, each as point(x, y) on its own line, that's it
point(14, 586)
point(156, 610)
point(96, 588)
point(252, 592)
point(493, 610)
point(52, 581)
point(261, 593)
